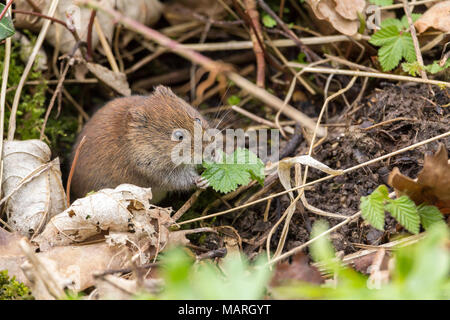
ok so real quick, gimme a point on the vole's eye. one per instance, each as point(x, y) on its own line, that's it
point(198, 120)
point(178, 135)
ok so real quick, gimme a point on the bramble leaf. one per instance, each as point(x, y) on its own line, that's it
point(404, 210)
point(372, 207)
point(236, 169)
point(429, 215)
point(268, 21)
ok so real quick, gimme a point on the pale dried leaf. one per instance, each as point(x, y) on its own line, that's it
point(144, 11)
point(123, 213)
point(437, 17)
point(116, 80)
point(326, 10)
point(349, 9)
point(34, 183)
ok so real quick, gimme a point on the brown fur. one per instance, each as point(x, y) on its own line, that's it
point(129, 140)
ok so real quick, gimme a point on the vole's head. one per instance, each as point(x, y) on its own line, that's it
point(160, 127)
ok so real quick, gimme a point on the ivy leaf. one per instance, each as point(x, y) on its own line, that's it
point(382, 3)
point(6, 25)
point(236, 169)
point(429, 215)
point(268, 21)
point(372, 207)
point(404, 211)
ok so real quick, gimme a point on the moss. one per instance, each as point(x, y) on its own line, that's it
point(59, 132)
point(11, 289)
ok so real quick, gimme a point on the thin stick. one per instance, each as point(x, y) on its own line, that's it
point(31, 59)
point(367, 74)
point(187, 205)
point(358, 166)
point(281, 43)
point(105, 45)
point(89, 35)
point(55, 94)
point(72, 168)
point(389, 121)
point(414, 38)
point(3, 101)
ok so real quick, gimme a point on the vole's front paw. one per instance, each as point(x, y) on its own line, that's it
point(202, 183)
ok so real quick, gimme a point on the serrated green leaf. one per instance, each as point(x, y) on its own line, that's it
point(429, 215)
point(435, 67)
point(385, 35)
point(268, 21)
point(372, 207)
point(237, 169)
point(413, 68)
point(404, 211)
point(391, 22)
point(6, 25)
point(408, 51)
point(390, 55)
point(382, 3)
point(404, 21)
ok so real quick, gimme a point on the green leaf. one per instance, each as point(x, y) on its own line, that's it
point(413, 68)
point(268, 21)
point(414, 16)
point(372, 207)
point(382, 3)
point(237, 169)
point(6, 25)
point(386, 35)
point(435, 67)
point(408, 51)
point(429, 215)
point(404, 211)
point(233, 100)
point(391, 22)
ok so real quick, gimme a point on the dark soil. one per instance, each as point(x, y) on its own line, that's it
point(345, 147)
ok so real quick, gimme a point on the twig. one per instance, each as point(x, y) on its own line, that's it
point(328, 177)
point(389, 121)
point(52, 100)
point(89, 36)
point(281, 43)
point(187, 205)
point(3, 101)
point(106, 47)
point(412, 30)
point(32, 57)
point(72, 168)
point(367, 74)
point(311, 55)
point(255, 31)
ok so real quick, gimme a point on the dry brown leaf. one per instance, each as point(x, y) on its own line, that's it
point(342, 14)
point(31, 184)
point(11, 256)
point(116, 211)
point(433, 181)
point(437, 17)
point(116, 80)
point(145, 11)
point(349, 9)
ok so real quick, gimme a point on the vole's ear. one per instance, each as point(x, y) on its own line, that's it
point(163, 91)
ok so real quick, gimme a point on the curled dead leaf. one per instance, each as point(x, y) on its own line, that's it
point(342, 14)
point(433, 181)
point(437, 17)
point(31, 184)
point(115, 80)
